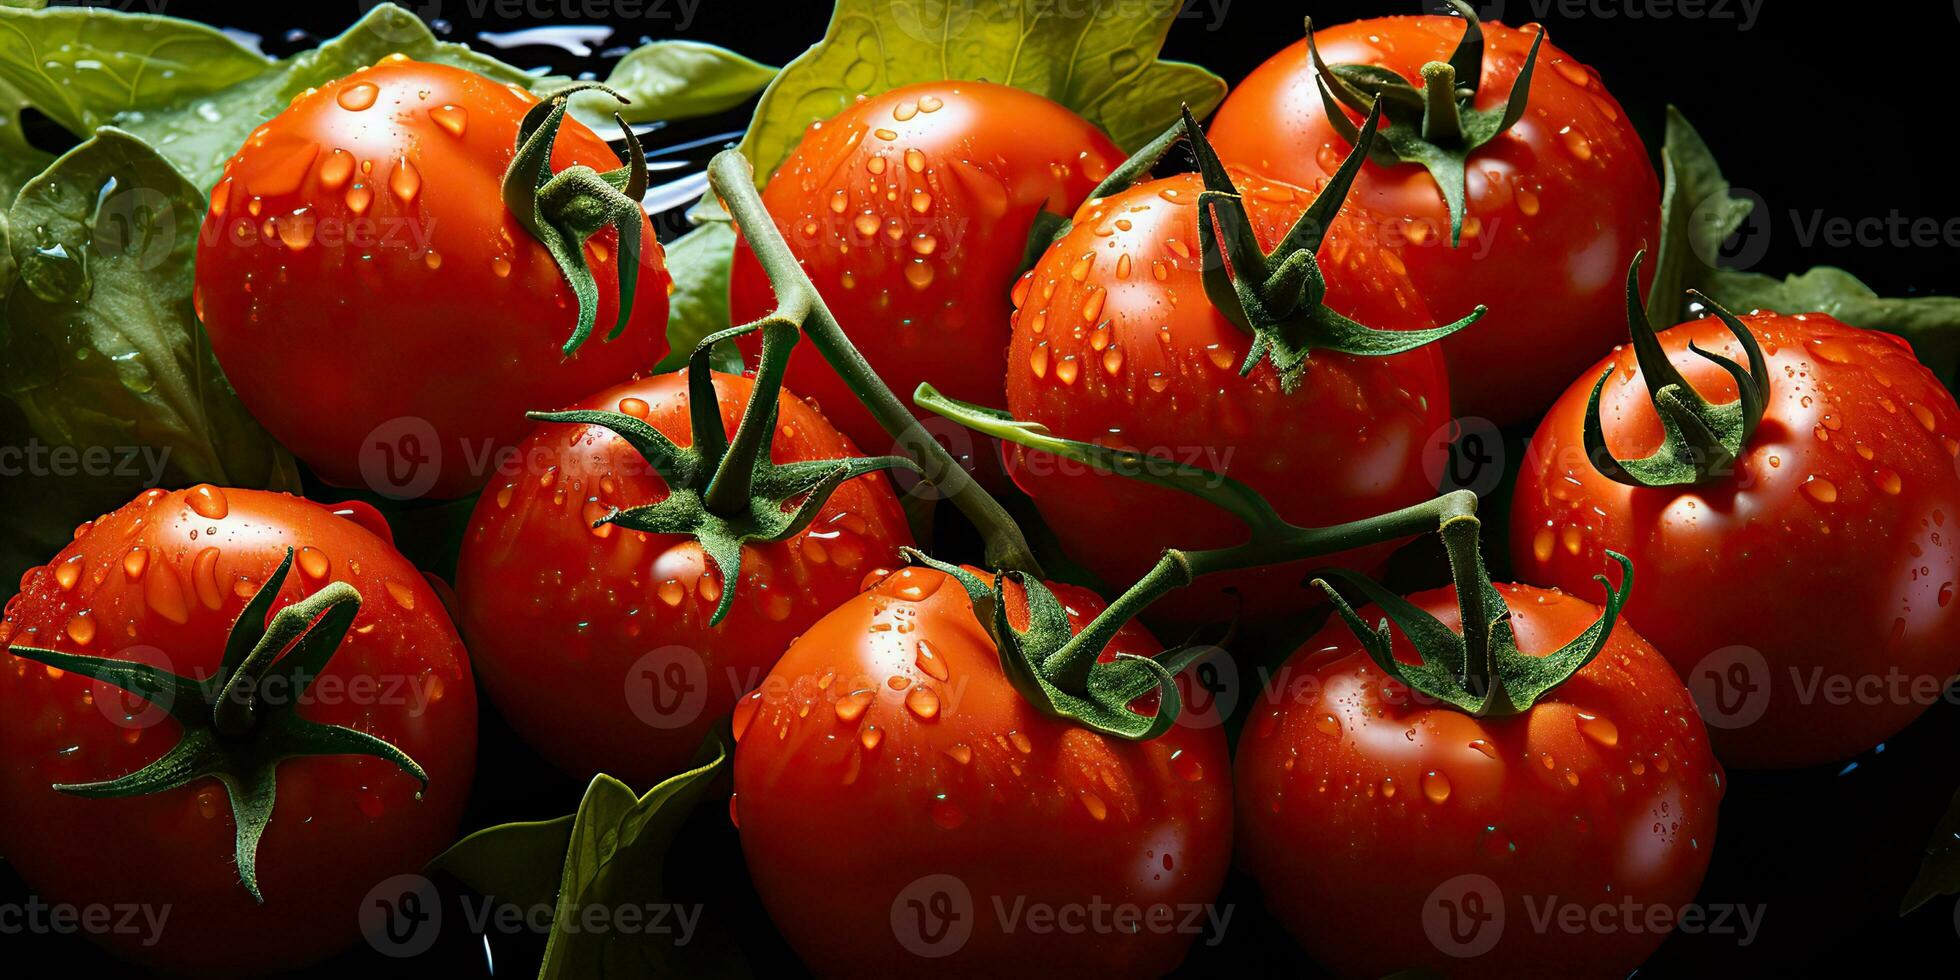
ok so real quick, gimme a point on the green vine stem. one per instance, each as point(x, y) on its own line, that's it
point(1273, 539)
point(732, 178)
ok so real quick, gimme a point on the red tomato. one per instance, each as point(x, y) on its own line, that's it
point(911, 212)
point(1806, 595)
point(1115, 343)
point(594, 642)
point(892, 787)
point(1451, 829)
point(164, 581)
point(1555, 207)
point(378, 308)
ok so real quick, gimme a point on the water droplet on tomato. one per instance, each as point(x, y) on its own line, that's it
point(1435, 786)
point(207, 501)
point(358, 96)
point(1599, 729)
point(923, 702)
point(1094, 804)
point(335, 169)
point(69, 572)
point(452, 118)
point(405, 181)
point(204, 579)
point(313, 563)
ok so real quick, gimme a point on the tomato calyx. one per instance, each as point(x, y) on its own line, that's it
point(1703, 440)
point(234, 729)
point(1436, 125)
point(1479, 671)
point(726, 493)
point(1279, 297)
point(564, 209)
point(1059, 672)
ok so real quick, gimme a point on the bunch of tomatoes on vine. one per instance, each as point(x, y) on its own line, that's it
point(1160, 400)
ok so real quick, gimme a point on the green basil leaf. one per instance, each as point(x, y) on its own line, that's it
point(1939, 872)
point(699, 263)
point(101, 347)
point(8, 268)
point(198, 135)
point(518, 864)
point(19, 159)
point(46, 490)
point(610, 855)
point(674, 80)
point(618, 858)
point(1098, 57)
point(83, 65)
point(1698, 213)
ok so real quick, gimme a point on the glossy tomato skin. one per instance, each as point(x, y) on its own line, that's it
point(161, 581)
point(1824, 557)
point(375, 303)
point(1115, 343)
point(1355, 793)
point(594, 641)
point(1555, 208)
point(911, 212)
point(887, 748)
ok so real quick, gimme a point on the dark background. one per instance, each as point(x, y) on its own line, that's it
point(1823, 112)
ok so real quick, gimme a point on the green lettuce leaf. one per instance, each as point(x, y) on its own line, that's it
point(699, 263)
point(1098, 57)
point(101, 348)
point(82, 65)
point(674, 80)
point(612, 853)
point(19, 159)
point(1698, 213)
point(199, 134)
point(1939, 870)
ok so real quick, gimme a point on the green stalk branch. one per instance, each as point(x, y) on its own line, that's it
point(733, 180)
point(1272, 539)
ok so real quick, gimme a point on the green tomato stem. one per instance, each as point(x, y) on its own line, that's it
point(1177, 569)
point(797, 300)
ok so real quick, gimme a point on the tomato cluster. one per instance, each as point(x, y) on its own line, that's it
point(1224, 389)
